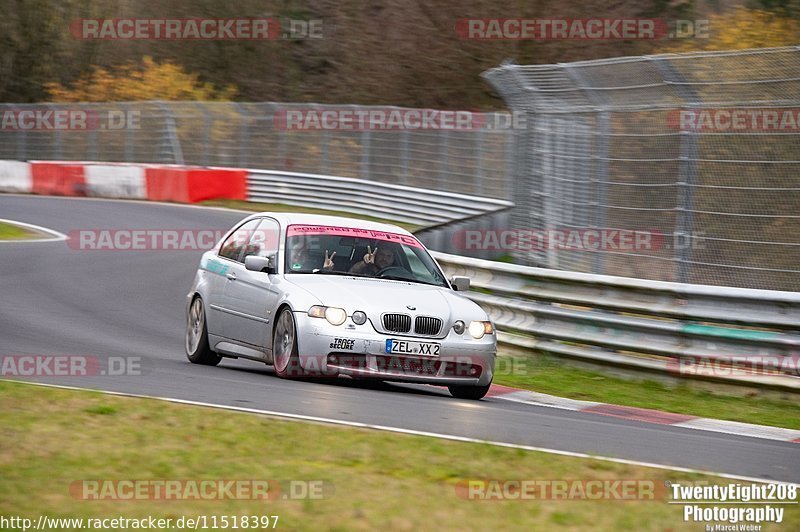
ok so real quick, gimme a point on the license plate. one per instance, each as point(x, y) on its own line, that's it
point(404, 347)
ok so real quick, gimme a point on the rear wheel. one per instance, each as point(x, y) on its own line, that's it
point(197, 348)
point(469, 392)
point(284, 347)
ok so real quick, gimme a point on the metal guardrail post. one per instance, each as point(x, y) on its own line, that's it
point(244, 136)
point(58, 153)
point(688, 170)
point(480, 139)
point(91, 138)
point(324, 147)
point(130, 146)
point(444, 154)
point(599, 154)
point(170, 145)
point(22, 143)
point(206, 135)
point(404, 155)
point(365, 153)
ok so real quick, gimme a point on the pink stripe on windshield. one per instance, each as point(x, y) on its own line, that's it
point(295, 230)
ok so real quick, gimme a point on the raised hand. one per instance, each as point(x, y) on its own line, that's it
point(369, 258)
point(328, 264)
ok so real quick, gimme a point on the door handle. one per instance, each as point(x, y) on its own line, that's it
point(231, 276)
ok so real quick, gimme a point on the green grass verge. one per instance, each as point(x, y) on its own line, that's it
point(14, 232)
point(547, 375)
point(281, 207)
point(51, 438)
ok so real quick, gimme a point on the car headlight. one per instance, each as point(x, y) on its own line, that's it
point(334, 315)
point(459, 327)
point(477, 329)
point(359, 318)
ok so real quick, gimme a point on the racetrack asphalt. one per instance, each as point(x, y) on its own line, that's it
point(57, 300)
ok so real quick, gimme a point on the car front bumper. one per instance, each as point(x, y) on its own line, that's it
point(360, 351)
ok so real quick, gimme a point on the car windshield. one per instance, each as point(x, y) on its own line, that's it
point(327, 250)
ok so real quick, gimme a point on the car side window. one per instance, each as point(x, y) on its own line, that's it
point(234, 245)
point(264, 240)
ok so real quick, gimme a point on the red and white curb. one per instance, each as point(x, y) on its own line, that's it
point(644, 414)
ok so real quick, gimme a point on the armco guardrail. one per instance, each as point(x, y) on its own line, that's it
point(727, 334)
point(371, 198)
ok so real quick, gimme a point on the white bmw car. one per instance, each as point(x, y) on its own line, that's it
point(326, 296)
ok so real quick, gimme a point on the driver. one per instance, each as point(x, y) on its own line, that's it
point(375, 260)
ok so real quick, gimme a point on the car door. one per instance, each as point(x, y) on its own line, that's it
point(218, 268)
point(251, 296)
point(221, 266)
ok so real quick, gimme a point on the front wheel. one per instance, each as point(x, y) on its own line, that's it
point(469, 392)
point(197, 348)
point(284, 347)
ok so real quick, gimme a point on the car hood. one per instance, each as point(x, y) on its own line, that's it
point(377, 296)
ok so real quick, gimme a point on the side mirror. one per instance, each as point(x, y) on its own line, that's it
point(460, 283)
point(255, 263)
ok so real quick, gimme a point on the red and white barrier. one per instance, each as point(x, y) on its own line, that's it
point(15, 176)
point(190, 184)
point(58, 178)
point(186, 184)
point(115, 181)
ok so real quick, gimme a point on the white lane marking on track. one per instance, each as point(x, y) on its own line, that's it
point(742, 429)
point(735, 428)
point(358, 424)
point(55, 236)
point(550, 401)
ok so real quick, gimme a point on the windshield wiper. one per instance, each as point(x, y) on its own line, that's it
point(335, 272)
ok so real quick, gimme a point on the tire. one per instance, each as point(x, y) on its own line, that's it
point(284, 347)
point(469, 392)
point(196, 342)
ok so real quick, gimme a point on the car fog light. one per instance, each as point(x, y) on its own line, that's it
point(359, 318)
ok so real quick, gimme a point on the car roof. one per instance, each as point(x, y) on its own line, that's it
point(299, 218)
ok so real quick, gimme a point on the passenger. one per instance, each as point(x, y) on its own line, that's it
point(302, 259)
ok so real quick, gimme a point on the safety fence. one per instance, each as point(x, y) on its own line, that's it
point(703, 148)
point(420, 151)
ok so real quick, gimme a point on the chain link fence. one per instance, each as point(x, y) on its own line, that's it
point(700, 150)
point(252, 135)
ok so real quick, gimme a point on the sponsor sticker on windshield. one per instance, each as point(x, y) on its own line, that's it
point(297, 230)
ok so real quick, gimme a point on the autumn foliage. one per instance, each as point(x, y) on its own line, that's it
point(131, 82)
